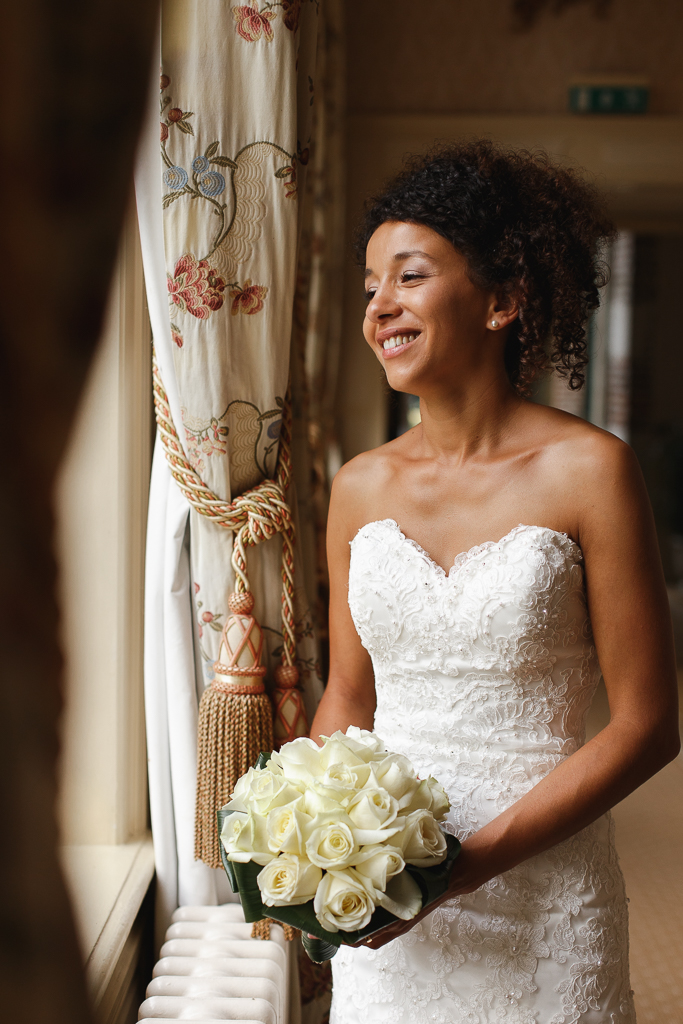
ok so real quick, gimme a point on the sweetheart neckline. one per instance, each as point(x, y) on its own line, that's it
point(464, 556)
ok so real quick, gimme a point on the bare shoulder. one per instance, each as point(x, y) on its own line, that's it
point(598, 470)
point(359, 484)
point(593, 454)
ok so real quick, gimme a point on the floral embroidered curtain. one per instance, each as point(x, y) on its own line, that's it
point(217, 188)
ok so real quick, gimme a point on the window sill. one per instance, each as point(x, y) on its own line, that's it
point(107, 886)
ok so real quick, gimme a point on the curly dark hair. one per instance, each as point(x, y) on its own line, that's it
point(526, 227)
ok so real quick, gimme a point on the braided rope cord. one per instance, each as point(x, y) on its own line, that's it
point(257, 515)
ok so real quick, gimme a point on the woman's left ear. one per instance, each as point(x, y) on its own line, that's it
point(503, 311)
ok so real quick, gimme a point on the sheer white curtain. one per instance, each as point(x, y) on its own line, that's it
point(217, 202)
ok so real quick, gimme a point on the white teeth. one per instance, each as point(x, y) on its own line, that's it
point(398, 339)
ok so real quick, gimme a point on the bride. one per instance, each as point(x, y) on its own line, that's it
point(462, 637)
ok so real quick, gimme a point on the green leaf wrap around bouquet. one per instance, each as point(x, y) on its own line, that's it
point(432, 882)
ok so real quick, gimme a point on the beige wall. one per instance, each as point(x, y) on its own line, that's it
point(453, 56)
point(101, 507)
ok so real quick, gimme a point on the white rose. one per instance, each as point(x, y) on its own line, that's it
point(367, 745)
point(261, 789)
point(372, 808)
point(382, 870)
point(396, 774)
point(440, 802)
point(402, 898)
point(244, 837)
point(288, 880)
point(342, 901)
point(325, 812)
point(287, 829)
point(378, 864)
point(298, 761)
point(346, 779)
point(340, 777)
point(431, 796)
point(421, 842)
point(322, 800)
point(336, 750)
point(336, 787)
point(331, 844)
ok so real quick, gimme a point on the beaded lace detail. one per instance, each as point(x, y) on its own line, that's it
point(484, 676)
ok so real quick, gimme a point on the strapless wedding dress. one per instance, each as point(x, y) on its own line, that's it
point(484, 677)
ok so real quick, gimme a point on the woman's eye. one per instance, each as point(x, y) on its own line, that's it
point(369, 295)
point(411, 275)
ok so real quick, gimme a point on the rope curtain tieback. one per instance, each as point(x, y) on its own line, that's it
point(257, 515)
point(235, 714)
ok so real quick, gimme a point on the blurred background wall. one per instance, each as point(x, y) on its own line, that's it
point(448, 56)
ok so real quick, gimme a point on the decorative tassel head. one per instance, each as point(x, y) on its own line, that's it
point(239, 654)
point(241, 604)
point(289, 720)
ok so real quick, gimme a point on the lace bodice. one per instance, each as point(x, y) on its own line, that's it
point(489, 666)
point(484, 676)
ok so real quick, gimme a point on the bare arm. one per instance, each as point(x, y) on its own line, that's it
point(631, 624)
point(349, 697)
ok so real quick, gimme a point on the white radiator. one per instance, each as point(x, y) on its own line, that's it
point(212, 970)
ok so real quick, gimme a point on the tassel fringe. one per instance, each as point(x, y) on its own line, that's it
point(232, 730)
point(261, 930)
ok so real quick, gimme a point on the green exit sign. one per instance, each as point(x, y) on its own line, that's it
point(623, 94)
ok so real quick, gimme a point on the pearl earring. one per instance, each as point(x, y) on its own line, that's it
point(494, 324)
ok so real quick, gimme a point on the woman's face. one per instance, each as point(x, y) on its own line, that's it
point(426, 321)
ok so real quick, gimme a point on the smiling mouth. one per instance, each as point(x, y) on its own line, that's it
point(392, 346)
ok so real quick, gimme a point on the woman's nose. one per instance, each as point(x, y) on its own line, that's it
point(383, 304)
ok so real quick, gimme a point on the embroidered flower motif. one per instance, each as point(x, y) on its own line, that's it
point(196, 461)
point(163, 131)
point(211, 619)
point(177, 336)
point(175, 178)
point(195, 287)
point(249, 299)
point(199, 164)
point(288, 172)
point(291, 12)
point(251, 23)
point(211, 183)
point(274, 429)
point(514, 952)
point(164, 82)
point(180, 118)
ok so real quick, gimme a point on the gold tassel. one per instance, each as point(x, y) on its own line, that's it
point(261, 930)
point(235, 723)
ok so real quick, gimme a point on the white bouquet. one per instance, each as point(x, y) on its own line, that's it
point(337, 840)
